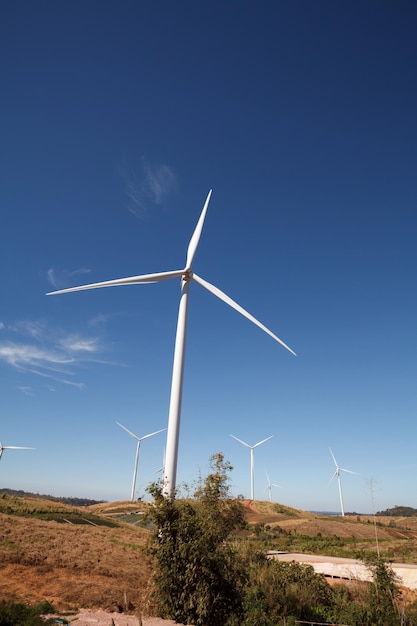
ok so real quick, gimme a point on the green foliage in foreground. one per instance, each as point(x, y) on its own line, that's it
point(205, 576)
point(16, 614)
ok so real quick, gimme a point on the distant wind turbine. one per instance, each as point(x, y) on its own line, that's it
point(138, 439)
point(2, 448)
point(186, 274)
point(337, 473)
point(161, 469)
point(252, 461)
point(269, 486)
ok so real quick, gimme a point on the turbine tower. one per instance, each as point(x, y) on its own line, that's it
point(252, 461)
point(269, 486)
point(2, 448)
point(337, 473)
point(187, 275)
point(139, 439)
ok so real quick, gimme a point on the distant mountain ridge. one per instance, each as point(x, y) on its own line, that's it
point(71, 501)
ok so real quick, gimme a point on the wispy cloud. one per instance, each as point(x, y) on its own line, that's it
point(1, 325)
point(33, 348)
point(62, 278)
point(34, 329)
point(23, 356)
point(148, 187)
point(75, 343)
point(28, 391)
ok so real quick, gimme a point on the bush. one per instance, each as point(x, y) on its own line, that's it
point(204, 576)
point(198, 577)
point(15, 614)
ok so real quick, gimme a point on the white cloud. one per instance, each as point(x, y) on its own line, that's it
point(21, 355)
point(148, 187)
point(160, 180)
point(62, 278)
point(34, 329)
point(26, 390)
point(75, 343)
point(49, 354)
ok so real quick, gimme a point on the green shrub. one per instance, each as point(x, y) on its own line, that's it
point(16, 614)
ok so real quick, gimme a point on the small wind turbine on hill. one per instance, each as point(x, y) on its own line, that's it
point(269, 486)
point(337, 473)
point(187, 276)
point(138, 439)
point(2, 448)
point(252, 461)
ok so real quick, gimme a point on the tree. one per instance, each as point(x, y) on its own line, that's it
point(197, 574)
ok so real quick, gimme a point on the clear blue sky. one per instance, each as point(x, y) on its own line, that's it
point(116, 120)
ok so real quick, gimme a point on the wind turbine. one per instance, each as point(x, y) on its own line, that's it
point(186, 274)
point(269, 486)
point(161, 469)
point(139, 439)
point(2, 448)
point(337, 473)
point(252, 461)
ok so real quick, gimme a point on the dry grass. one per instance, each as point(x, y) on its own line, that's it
point(87, 566)
point(72, 565)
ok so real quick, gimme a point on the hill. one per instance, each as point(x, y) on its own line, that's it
point(404, 511)
point(95, 556)
point(89, 565)
point(27, 494)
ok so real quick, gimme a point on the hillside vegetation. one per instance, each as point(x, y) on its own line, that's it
point(95, 556)
point(399, 511)
point(26, 494)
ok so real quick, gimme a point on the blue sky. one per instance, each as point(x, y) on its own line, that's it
point(117, 119)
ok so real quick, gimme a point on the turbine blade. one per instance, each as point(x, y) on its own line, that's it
point(220, 294)
point(335, 474)
point(131, 280)
point(192, 246)
point(347, 471)
point(17, 448)
point(152, 434)
point(263, 441)
point(128, 431)
point(335, 462)
point(242, 442)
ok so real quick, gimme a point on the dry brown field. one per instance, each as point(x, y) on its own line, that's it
point(92, 566)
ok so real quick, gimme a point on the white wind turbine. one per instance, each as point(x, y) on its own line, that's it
point(2, 448)
point(161, 469)
point(337, 473)
point(252, 461)
point(269, 486)
point(186, 274)
point(138, 439)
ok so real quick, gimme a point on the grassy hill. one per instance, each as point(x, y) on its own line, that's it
point(95, 556)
